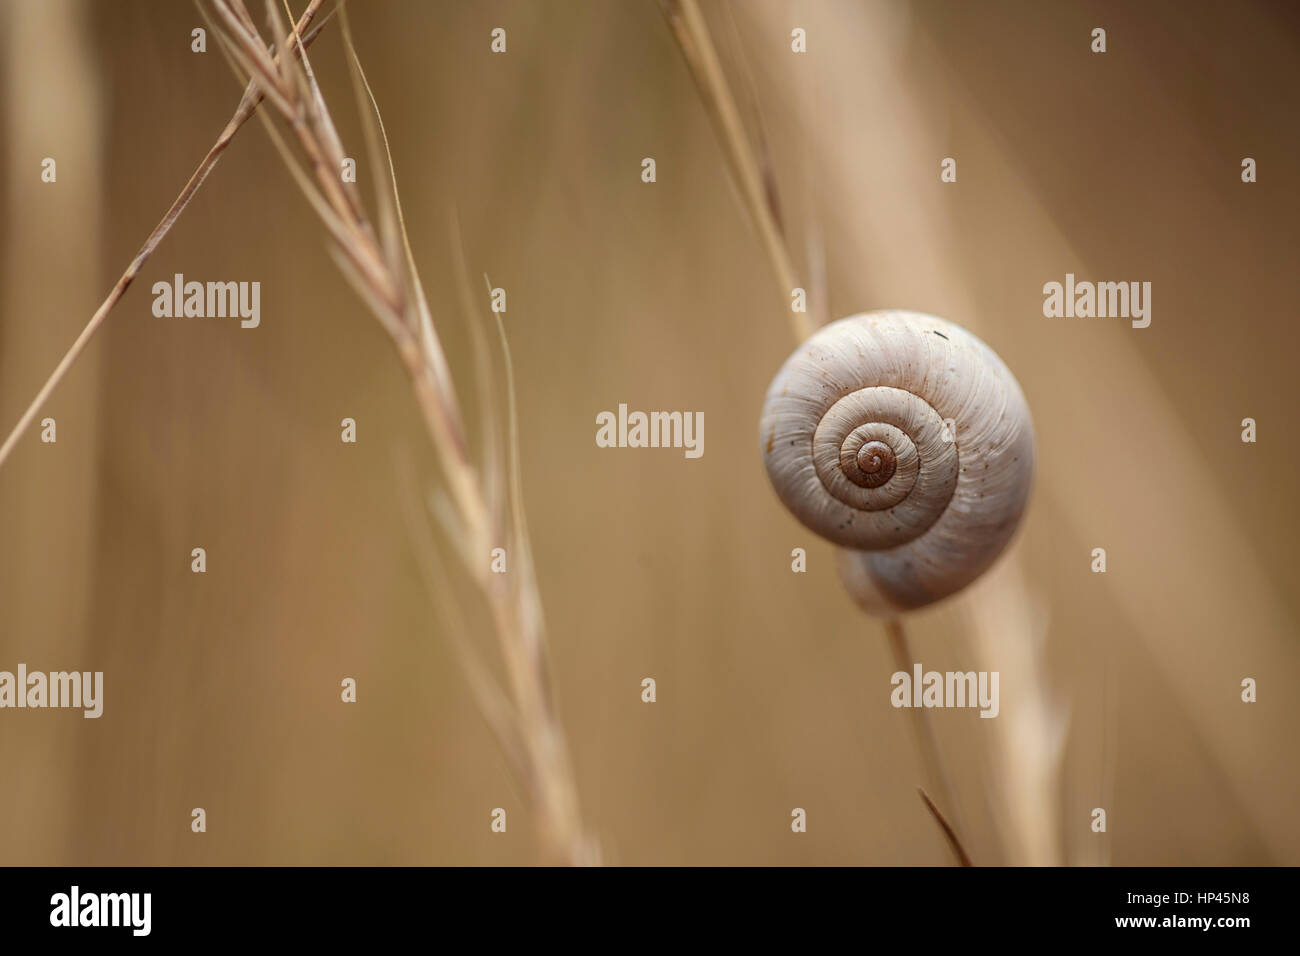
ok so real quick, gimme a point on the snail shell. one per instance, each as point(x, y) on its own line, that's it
point(856, 445)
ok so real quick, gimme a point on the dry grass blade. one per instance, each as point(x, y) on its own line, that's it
point(382, 270)
point(757, 189)
point(392, 219)
point(963, 858)
point(248, 104)
point(927, 740)
point(496, 708)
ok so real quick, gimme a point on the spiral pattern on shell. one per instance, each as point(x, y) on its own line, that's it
point(905, 439)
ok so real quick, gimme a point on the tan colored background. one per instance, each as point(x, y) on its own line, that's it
point(222, 689)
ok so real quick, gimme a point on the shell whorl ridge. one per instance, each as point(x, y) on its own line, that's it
point(907, 441)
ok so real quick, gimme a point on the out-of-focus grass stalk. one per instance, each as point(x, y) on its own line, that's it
point(1007, 625)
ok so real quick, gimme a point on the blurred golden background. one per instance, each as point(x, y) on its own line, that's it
point(1119, 690)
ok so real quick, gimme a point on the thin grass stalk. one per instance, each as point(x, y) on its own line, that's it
point(959, 851)
point(927, 742)
point(383, 273)
point(757, 191)
point(248, 104)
